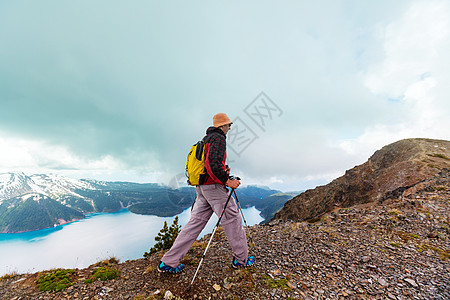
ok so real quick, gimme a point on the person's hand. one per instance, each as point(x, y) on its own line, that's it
point(233, 183)
point(227, 170)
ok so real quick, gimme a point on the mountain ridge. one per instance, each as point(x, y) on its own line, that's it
point(51, 185)
point(390, 170)
point(65, 200)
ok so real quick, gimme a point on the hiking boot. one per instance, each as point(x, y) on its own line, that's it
point(250, 262)
point(163, 268)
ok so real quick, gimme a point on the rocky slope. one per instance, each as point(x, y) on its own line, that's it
point(397, 249)
point(388, 172)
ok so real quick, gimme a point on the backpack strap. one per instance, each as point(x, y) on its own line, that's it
point(198, 154)
point(201, 146)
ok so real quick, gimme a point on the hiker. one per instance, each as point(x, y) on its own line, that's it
point(211, 197)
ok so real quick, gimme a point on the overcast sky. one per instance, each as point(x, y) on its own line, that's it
point(120, 90)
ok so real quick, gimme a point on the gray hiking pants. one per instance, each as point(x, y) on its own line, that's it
point(210, 198)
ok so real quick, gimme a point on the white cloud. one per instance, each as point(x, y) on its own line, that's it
point(412, 47)
point(14, 154)
point(33, 156)
point(409, 78)
point(126, 100)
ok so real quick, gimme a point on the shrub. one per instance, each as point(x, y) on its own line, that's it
point(9, 276)
point(112, 260)
point(165, 237)
point(56, 280)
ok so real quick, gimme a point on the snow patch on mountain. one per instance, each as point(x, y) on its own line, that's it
point(33, 196)
point(51, 185)
point(13, 185)
point(95, 183)
point(56, 186)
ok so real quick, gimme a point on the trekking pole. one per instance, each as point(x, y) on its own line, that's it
point(240, 208)
point(210, 239)
point(242, 214)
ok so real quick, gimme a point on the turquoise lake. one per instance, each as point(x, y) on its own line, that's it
point(99, 236)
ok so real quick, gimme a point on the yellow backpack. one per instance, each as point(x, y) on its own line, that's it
point(195, 163)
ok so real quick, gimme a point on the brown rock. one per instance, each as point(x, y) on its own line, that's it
point(433, 235)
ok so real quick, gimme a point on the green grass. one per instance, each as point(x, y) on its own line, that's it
point(276, 283)
point(405, 236)
point(55, 280)
point(444, 254)
point(103, 273)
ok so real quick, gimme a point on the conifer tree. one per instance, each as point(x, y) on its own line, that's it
point(165, 237)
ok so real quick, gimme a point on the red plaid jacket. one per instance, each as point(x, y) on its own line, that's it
point(216, 156)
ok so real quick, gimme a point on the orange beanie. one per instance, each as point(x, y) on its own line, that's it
point(221, 119)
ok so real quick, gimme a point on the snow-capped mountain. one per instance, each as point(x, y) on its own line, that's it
point(45, 200)
point(54, 185)
point(50, 185)
point(41, 201)
point(31, 202)
point(13, 185)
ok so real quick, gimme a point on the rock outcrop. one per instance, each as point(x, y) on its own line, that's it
point(388, 173)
